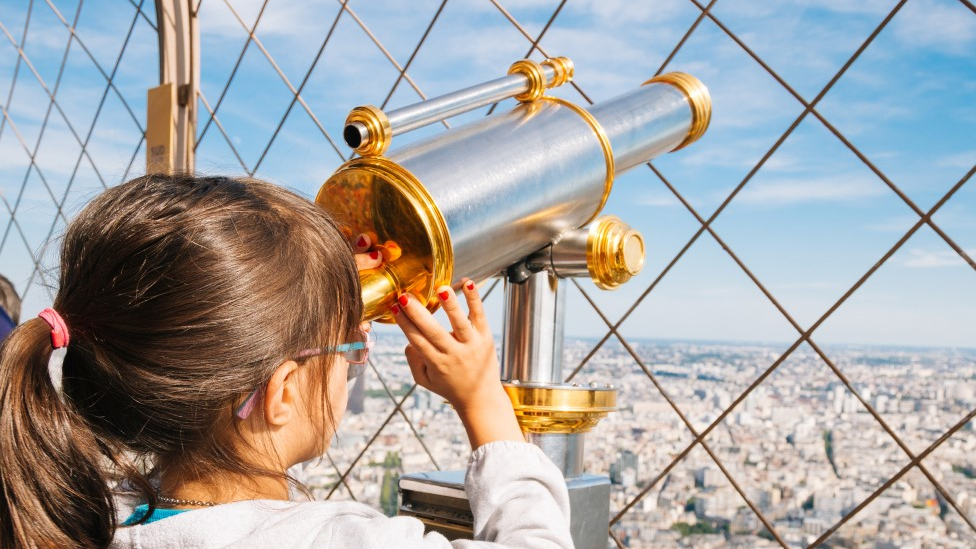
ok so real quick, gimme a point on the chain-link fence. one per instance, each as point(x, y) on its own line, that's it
point(825, 209)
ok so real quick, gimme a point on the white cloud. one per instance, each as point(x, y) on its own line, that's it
point(855, 118)
point(929, 259)
point(866, 7)
point(782, 192)
point(658, 200)
point(628, 12)
point(815, 285)
point(938, 26)
point(964, 160)
point(899, 224)
point(783, 161)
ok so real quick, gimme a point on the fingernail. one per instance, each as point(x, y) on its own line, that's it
point(362, 242)
point(443, 295)
point(469, 285)
point(403, 299)
point(395, 309)
point(374, 255)
point(392, 245)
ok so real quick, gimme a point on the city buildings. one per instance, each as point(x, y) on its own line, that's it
point(803, 450)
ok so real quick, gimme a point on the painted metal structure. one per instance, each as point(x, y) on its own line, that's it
point(179, 64)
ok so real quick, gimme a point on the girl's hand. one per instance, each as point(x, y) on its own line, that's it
point(461, 365)
point(370, 253)
point(365, 258)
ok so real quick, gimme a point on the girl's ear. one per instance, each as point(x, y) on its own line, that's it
point(281, 398)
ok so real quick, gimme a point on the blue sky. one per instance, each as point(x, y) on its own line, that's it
point(808, 224)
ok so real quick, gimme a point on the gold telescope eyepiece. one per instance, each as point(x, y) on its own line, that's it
point(614, 252)
point(610, 252)
point(376, 195)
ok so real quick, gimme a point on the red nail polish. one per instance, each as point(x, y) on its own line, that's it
point(362, 242)
point(395, 309)
point(470, 285)
point(403, 299)
point(374, 255)
point(443, 295)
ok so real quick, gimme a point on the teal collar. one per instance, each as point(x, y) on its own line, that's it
point(157, 514)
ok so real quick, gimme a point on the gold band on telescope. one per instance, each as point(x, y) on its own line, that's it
point(377, 125)
point(560, 409)
point(604, 144)
point(698, 99)
point(537, 79)
point(563, 69)
point(429, 215)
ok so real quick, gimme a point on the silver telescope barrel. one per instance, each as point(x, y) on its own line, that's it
point(478, 198)
point(369, 130)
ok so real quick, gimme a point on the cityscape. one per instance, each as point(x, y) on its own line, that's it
point(837, 126)
point(801, 447)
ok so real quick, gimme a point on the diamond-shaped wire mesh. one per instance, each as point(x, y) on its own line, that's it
point(73, 111)
point(853, 106)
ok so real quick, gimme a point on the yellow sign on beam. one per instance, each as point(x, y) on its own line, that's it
point(161, 129)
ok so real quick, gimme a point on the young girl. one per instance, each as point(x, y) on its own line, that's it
point(205, 329)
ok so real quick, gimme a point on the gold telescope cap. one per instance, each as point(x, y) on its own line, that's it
point(614, 252)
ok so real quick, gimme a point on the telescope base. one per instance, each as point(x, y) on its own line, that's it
point(437, 498)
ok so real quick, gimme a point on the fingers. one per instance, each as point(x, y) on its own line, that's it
point(369, 260)
point(476, 311)
point(371, 253)
point(416, 338)
point(361, 243)
point(455, 314)
point(366, 258)
point(423, 324)
point(417, 366)
point(390, 250)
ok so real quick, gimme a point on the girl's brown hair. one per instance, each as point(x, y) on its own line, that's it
point(181, 295)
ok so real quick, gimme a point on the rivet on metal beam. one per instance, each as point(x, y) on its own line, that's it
point(183, 95)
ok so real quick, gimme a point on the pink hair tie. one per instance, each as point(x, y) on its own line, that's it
point(59, 330)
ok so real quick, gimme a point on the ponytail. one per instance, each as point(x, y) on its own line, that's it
point(54, 491)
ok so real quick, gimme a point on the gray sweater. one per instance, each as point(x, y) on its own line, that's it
point(517, 496)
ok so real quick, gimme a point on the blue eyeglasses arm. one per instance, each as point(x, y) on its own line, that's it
point(356, 346)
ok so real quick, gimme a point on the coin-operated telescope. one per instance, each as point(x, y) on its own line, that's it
point(517, 195)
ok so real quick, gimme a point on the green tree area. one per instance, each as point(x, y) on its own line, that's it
point(966, 470)
point(388, 493)
point(389, 489)
point(699, 528)
point(393, 461)
point(377, 393)
point(808, 504)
